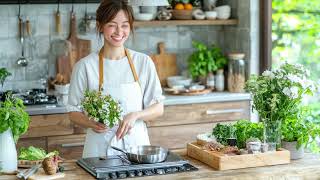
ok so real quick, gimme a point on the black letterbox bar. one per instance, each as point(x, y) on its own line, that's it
point(46, 1)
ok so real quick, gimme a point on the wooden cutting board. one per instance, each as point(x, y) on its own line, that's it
point(166, 64)
point(41, 175)
point(79, 47)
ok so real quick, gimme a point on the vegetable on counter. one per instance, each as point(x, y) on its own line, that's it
point(50, 165)
point(32, 153)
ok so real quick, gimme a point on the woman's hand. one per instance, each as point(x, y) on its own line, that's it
point(98, 127)
point(126, 124)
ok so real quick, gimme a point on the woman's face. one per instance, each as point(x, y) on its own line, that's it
point(117, 31)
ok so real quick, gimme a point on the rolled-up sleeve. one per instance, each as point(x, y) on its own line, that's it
point(78, 84)
point(152, 91)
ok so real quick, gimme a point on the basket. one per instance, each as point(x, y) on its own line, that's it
point(182, 14)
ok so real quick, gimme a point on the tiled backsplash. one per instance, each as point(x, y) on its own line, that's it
point(177, 38)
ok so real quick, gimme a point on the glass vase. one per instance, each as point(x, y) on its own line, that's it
point(272, 134)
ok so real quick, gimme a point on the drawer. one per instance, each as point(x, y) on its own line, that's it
point(36, 142)
point(202, 113)
point(49, 125)
point(70, 147)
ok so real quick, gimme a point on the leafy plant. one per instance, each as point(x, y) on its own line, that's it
point(205, 60)
point(13, 116)
point(3, 75)
point(101, 108)
point(32, 153)
point(298, 128)
point(243, 130)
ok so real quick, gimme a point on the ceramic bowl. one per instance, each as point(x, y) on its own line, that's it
point(223, 12)
point(197, 87)
point(143, 16)
point(149, 10)
point(198, 14)
point(173, 81)
point(211, 15)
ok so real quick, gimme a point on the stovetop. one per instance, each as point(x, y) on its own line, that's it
point(117, 167)
point(32, 96)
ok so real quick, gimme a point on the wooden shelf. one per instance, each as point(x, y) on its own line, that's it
point(185, 23)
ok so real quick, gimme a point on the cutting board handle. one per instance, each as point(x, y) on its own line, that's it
point(161, 48)
point(73, 26)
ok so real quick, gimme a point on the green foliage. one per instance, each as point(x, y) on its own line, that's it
point(298, 128)
point(205, 59)
point(3, 75)
point(295, 33)
point(13, 116)
point(32, 153)
point(101, 108)
point(243, 130)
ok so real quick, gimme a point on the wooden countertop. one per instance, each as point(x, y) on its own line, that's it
point(306, 168)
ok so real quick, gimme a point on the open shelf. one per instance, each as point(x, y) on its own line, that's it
point(184, 23)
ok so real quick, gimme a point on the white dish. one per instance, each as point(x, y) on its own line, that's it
point(197, 88)
point(198, 14)
point(223, 12)
point(178, 81)
point(211, 15)
point(143, 16)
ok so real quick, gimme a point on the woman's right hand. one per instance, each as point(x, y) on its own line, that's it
point(98, 127)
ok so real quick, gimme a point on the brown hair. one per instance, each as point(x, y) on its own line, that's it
point(108, 9)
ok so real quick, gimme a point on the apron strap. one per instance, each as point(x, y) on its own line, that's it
point(133, 70)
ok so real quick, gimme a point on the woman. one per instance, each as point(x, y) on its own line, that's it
point(127, 75)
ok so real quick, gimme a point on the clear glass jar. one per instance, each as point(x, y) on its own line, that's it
point(236, 72)
point(210, 81)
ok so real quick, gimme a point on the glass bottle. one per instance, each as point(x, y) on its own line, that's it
point(220, 80)
point(210, 81)
point(236, 72)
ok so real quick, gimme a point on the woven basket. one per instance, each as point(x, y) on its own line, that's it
point(182, 14)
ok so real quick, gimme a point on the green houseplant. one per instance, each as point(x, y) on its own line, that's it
point(205, 59)
point(276, 94)
point(3, 75)
point(14, 121)
point(298, 133)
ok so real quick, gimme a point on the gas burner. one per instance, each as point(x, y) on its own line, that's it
point(114, 167)
point(32, 97)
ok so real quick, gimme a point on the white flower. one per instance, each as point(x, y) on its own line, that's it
point(268, 73)
point(294, 78)
point(292, 92)
point(286, 91)
point(307, 72)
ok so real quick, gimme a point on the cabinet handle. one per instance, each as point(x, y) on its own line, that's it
point(214, 112)
point(72, 145)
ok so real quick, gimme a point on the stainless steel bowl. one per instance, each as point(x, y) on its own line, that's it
point(145, 154)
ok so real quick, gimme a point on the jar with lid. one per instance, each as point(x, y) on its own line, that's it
point(219, 80)
point(236, 72)
point(210, 81)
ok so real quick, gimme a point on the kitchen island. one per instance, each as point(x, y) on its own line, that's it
point(306, 168)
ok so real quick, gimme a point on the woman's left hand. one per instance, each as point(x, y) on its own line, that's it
point(126, 124)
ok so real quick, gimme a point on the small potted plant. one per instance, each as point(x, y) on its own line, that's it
point(14, 121)
point(3, 75)
point(298, 133)
point(205, 60)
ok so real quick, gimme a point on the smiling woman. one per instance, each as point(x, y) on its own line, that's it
point(127, 76)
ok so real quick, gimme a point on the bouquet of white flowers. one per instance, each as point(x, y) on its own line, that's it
point(278, 93)
point(101, 108)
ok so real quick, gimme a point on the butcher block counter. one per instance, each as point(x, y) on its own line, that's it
point(306, 168)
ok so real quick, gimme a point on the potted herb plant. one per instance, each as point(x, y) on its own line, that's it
point(298, 133)
point(205, 60)
point(276, 94)
point(3, 76)
point(14, 121)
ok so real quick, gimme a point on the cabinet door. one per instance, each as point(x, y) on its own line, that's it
point(49, 125)
point(202, 113)
point(36, 142)
point(70, 147)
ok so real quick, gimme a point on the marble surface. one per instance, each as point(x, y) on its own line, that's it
point(169, 100)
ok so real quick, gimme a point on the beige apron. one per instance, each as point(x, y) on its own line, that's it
point(130, 97)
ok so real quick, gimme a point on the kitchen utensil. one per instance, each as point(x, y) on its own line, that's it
point(22, 61)
point(31, 44)
point(79, 47)
point(58, 19)
point(26, 174)
point(145, 154)
point(165, 63)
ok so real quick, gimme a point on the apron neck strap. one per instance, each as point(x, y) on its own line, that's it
point(101, 56)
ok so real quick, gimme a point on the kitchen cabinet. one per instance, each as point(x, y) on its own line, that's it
point(180, 124)
point(69, 147)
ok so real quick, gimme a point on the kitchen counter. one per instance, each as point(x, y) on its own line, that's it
point(306, 168)
point(170, 100)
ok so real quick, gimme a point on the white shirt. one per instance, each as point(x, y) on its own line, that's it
point(85, 75)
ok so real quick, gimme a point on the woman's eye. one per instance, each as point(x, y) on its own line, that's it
point(125, 26)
